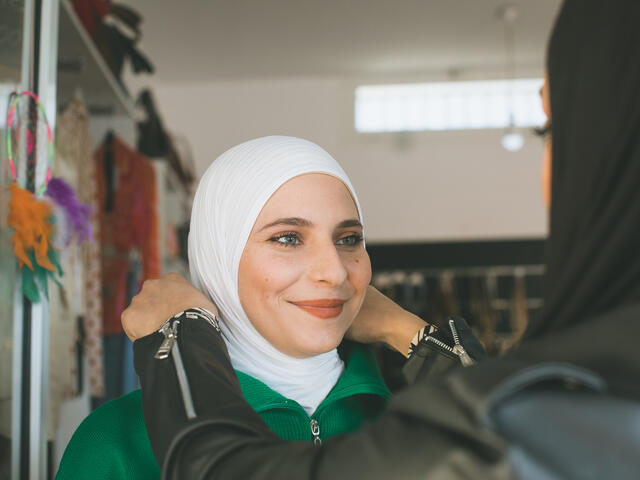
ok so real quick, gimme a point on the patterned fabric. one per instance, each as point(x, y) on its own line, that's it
point(70, 301)
point(65, 305)
point(74, 142)
point(127, 195)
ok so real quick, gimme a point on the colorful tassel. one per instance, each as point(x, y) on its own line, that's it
point(33, 222)
point(76, 214)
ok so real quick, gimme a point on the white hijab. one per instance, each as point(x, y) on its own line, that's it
point(230, 196)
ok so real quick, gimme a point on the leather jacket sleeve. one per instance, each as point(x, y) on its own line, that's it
point(428, 431)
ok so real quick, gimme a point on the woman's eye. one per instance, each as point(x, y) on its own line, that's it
point(350, 241)
point(288, 239)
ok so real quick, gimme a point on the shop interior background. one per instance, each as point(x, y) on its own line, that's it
point(455, 221)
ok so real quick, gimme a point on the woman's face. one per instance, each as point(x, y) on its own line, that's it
point(304, 270)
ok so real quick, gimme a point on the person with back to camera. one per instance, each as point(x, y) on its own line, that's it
point(564, 404)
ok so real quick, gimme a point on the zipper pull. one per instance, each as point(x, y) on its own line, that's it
point(170, 346)
point(458, 349)
point(170, 334)
point(315, 431)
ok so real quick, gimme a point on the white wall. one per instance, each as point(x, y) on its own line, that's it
point(413, 187)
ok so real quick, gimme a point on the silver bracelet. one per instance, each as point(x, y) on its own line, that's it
point(424, 332)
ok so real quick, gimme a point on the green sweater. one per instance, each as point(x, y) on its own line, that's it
point(112, 442)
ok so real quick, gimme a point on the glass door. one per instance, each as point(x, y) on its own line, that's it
point(28, 53)
point(12, 15)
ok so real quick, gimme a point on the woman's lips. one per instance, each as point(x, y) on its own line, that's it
point(322, 308)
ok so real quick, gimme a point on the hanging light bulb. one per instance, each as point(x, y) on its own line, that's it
point(512, 141)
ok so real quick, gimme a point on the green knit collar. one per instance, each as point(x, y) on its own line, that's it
point(361, 376)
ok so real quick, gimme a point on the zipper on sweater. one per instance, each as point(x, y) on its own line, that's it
point(169, 346)
point(315, 432)
point(458, 349)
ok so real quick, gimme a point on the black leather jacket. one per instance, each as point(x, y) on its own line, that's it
point(495, 420)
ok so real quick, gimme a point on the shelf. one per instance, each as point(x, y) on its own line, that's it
point(81, 68)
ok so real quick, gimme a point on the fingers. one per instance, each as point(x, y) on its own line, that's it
point(127, 319)
point(158, 300)
point(175, 277)
point(154, 283)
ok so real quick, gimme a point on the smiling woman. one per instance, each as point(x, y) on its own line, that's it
point(276, 242)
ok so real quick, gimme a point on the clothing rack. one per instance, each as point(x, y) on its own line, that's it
point(496, 285)
point(497, 270)
point(386, 279)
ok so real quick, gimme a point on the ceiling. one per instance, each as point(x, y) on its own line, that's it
point(199, 40)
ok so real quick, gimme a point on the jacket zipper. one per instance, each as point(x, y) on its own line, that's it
point(315, 431)
point(169, 337)
point(205, 315)
point(440, 344)
point(170, 346)
point(458, 349)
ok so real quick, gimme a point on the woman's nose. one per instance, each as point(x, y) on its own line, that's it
point(327, 266)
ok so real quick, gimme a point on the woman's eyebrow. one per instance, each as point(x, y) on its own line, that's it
point(303, 222)
point(293, 221)
point(353, 222)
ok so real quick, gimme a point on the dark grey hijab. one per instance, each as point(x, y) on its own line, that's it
point(593, 256)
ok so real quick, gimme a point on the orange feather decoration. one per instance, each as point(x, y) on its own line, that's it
point(32, 220)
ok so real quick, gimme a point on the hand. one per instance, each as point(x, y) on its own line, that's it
point(157, 301)
point(382, 320)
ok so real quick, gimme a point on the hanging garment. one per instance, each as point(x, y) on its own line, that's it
point(415, 293)
point(519, 311)
point(154, 141)
point(127, 195)
point(483, 291)
point(129, 376)
point(67, 299)
point(114, 356)
point(65, 306)
point(120, 375)
point(443, 301)
point(114, 45)
point(91, 13)
point(74, 143)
